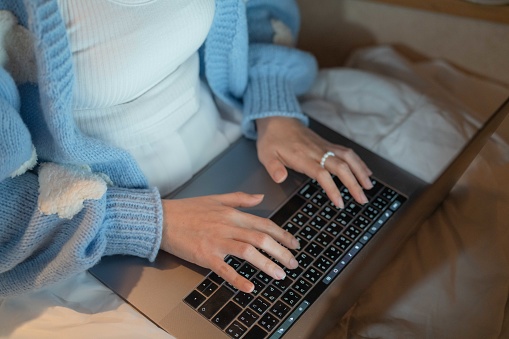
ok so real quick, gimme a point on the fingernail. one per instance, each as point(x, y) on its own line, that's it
point(250, 288)
point(279, 176)
point(295, 243)
point(294, 263)
point(280, 274)
point(340, 203)
point(364, 200)
point(368, 184)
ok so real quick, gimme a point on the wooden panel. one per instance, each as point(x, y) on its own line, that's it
point(457, 7)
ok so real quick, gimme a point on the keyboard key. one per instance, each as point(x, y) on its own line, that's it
point(371, 212)
point(308, 233)
point(309, 209)
point(243, 298)
point(328, 212)
point(352, 232)
point(207, 287)
point(324, 239)
point(300, 219)
point(377, 186)
point(343, 218)
point(352, 208)
point(203, 285)
point(264, 277)
point(320, 199)
point(380, 221)
point(333, 253)
point(271, 293)
point(334, 228)
point(388, 193)
point(224, 317)
point(365, 237)
point(291, 297)
point(308, 190)
point(280, 309)
point(258, 286)
point(236, 330)
point(361, 221)
point(343, 243)
point(291, 228)
point(292, 205)
point(304, 260)
point(255, 333)
point(301, 286)
point(379, 203)
point(313, 275)
point(260, 305)
point(314, 249)
point(286, 282)
point(293, 274)
point(396, 204)
point(194, 299)
point(318, 222)
point(215, 302)
point(268, 322)
point(322, 263)
point(345, 194)
point(248, 317)
point(247, 271)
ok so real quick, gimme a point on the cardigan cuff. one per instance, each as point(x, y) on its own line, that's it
point(134, 222)
point(269, 95)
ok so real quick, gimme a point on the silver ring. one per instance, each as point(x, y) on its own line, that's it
point(325, 156)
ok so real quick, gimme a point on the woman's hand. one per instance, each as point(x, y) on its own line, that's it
point(204, 230)
point(285, 142)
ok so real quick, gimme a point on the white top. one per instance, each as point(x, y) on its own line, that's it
point(138, 86)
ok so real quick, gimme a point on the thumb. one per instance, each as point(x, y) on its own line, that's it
point(240, 199)
point(276, 170)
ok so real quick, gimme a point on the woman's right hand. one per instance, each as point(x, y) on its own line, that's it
point(204, 230)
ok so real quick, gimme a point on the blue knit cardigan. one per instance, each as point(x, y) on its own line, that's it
point(241, 65)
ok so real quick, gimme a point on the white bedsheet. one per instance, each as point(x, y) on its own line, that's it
point(451, 279)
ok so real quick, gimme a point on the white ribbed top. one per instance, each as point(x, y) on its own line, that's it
point(138, 86)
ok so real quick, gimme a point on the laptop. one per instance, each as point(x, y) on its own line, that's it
point(342, 250)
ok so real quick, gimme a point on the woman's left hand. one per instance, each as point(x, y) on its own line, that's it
point(286, 143)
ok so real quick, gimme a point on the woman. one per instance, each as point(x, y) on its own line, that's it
point(117, 101)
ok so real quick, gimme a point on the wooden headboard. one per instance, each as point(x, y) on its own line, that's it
point(457, 7)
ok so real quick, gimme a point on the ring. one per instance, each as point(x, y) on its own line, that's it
point(325, 156)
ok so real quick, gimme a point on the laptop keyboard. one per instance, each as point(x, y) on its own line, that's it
point(329, 237)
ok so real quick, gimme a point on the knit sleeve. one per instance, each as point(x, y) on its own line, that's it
point(15, 142)
point(38, 250)
point(278, 72)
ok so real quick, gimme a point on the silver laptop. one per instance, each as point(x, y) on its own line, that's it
point(342, 250)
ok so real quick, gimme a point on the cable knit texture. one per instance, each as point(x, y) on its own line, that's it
point(241, 64)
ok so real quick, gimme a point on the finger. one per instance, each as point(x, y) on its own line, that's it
point(239, 199)
point(342, 170)
point(228, 273)
point(275, 168)
point(268, 227)
point(263, 241)
point(357, 166)
point(325, 180)
point(248, 252)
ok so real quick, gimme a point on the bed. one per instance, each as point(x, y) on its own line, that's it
point(450, 279)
